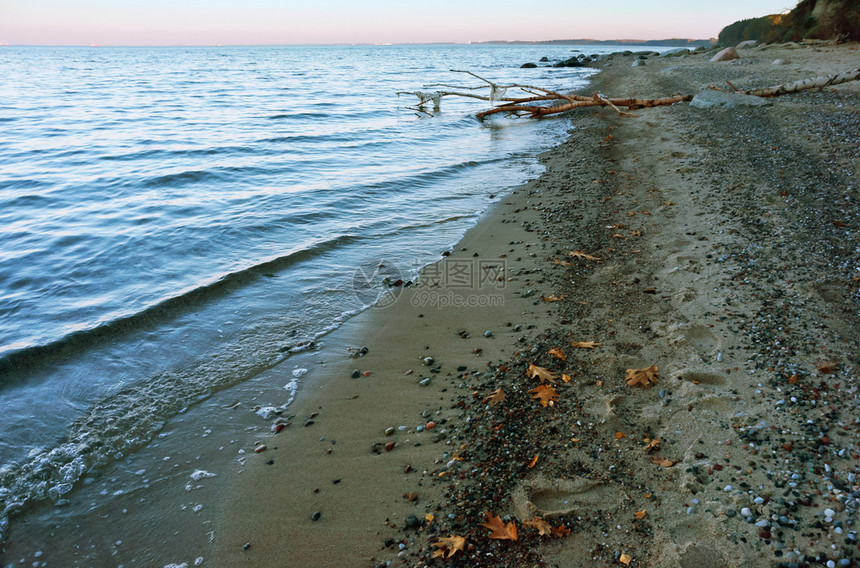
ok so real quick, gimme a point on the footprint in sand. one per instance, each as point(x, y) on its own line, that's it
point(549, 498)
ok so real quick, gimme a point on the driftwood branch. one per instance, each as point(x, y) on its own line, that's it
point(525, 100)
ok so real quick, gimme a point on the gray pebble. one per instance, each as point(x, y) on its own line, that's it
point(356, 373)
point(691, 510)
point(424, 382)
point(746, 512)
point(316, 516)
point(488, 333)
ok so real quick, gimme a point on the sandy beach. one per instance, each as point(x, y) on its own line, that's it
point(717, 247)
point(648, 356)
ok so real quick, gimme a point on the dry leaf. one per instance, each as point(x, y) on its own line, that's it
point(792, 380)
point(563, 263)
point(619, 435)
point(828, 368)
point(533, 462)
point(560, 531)
point(636, 233)
point(500, 531)
point(585, 344)
point(565, 378)
point(543, 527)
point(625, 559)
point(662, 462)
point(497, 397)
point(448, 546)
point(639, 515)
point(652, 446)
point(545, 394)
point(554, 298)
point(428, 518)
point(558, 353)
point(642, 377)
point(542, 374)
point(585, 255)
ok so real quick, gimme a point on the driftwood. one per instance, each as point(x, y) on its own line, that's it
point(528, 99)
point(525, 103)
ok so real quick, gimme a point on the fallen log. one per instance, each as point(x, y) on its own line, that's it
point(526, 99)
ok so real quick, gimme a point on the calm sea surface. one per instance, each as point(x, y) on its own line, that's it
point(174, 221)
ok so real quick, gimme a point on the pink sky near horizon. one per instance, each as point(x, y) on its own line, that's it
point(209, 22)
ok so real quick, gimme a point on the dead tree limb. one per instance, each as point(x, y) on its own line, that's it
point(817, 83)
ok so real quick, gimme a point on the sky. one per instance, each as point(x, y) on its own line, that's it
point(255, 22)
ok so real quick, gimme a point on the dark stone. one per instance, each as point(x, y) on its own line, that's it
point(572, 62)
point(528, 66)
point(316, 516)
point(544, 59)
point(412, 522)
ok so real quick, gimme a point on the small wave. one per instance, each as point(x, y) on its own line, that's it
point(171, 154)
point(191, 299)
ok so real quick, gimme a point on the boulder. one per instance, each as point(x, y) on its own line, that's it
point(719, 99)
point(675, 52)
point(639, 63)
point(728, 54)
point(544, 59)
point(528, 66)
point(572, 62)
point(746, 44)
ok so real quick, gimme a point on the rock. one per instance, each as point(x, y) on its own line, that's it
point(675, 52)
point(528, 66)
point(572, 62)
point(389, 431)
point(428, 361)
point(424, 382)
point(719, 99)
point(779, 62)
point(390, 446)
point(728, 54)
point(745, 512)
point(260, 449)
point(412, 522)
point(746, 44)
point(356, 373)
point(639, 63)
point(544, 59)
point(488, 333)
point(316, 516)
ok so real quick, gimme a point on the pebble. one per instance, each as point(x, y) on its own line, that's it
point(758, 500)
point(246, 546)
point(691, 510)
point(728, 488)
point(389, 431)
point(316, 516)
point(488, 333)
point(259, 449)
point(829, 513)
point(428, 361)
point(390, 446)
point(745, 512)
point(731, 513)
point(424, 382)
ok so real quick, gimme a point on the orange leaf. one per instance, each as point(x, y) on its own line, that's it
point(652, 446)
point(565, 378)
point(558, 353)
point(662, 462)
point(448, 546)
point(619, 435)
point(585, 344)
point(625, 559)
point(635, 233)
point(642, 377)
point(792, 380)
point(560, 530)
point(585, 255)
point(533, 462)
point(497, 397)
point(554, 298)
point(543, 527)
point(545, 394)
point(639, 515)
point(563, 263)
point(500, 530)
point(542, 374)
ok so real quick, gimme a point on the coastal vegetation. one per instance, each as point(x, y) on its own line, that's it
point(810, 19)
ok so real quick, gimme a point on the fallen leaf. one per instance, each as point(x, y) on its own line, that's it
point(542, 374)
point(560, 530)
point(639, 515)
point(533, 462)
point(543, 527)
point(563, 263)
point(554, 298)
point(497, 397)
point(619, 435)
point(625, 559)
point(545, 394)
point(662, 462)
point(429, 518)
point(499, 530)
point(558, 353)
point(618, 236)
point(565, 378)
point(635, 233)
point(828, 368)
point(652, 446)
point(585, 344)
point(585, 255)
point(642, 377)
point(448, 546)
point(792, 380)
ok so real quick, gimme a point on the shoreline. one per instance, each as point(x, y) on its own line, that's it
point(695, 229)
